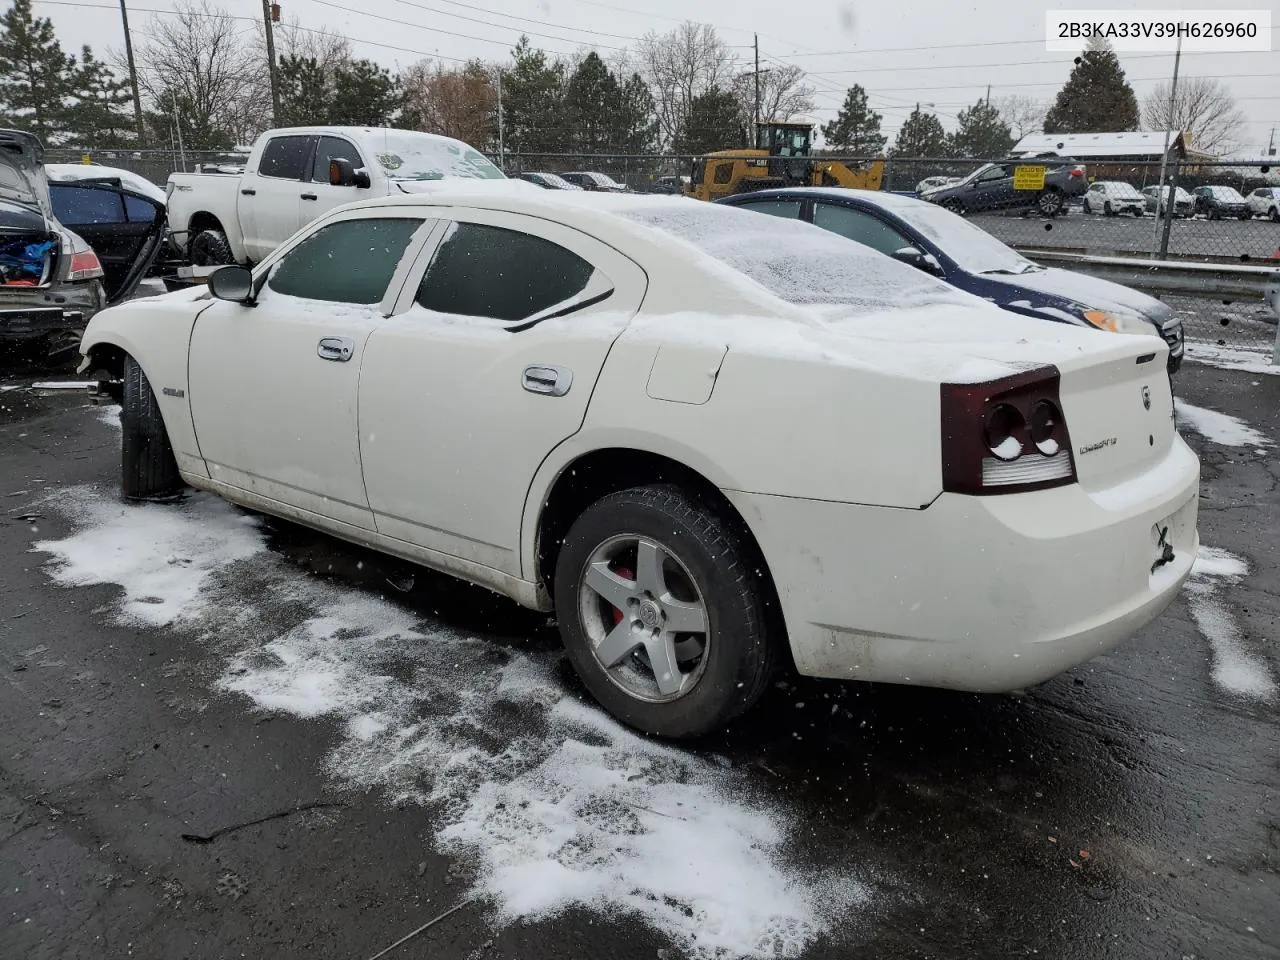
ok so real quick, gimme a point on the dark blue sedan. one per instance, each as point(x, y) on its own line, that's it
point(966, 256)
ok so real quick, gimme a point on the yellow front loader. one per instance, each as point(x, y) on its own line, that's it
point(781, 158)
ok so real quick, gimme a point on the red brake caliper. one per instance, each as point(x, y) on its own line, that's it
point(629, 574)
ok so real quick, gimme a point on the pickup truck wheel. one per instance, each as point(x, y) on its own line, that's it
point(210, 248)
point(662, 612)
point(1050, 203)
point(148, 470)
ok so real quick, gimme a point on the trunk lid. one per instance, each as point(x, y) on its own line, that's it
point(22, 178)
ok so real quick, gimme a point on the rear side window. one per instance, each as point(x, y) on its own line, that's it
point(350, 261)
point(484, 271)
point(284, 158)
point(787, 209)
point(80, 206)
point(333, 148)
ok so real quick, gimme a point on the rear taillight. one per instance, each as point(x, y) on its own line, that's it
point(85, 266)
point(1077, 171)
point(1005, 436)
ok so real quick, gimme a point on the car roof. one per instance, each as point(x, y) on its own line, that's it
point(892, 202)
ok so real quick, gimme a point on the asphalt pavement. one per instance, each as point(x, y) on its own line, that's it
point(1128, 809)
point(1094, 234)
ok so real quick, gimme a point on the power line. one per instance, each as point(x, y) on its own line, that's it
point(544, 23)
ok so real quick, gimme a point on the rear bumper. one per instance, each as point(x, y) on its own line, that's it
point(976, 593)
point(58, 309)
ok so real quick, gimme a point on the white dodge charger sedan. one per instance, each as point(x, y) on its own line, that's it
point(709, 441)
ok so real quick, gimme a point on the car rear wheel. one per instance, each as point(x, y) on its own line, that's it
point(148, 470)
point(210, 248)
point(662, 613)
point(1050, 203)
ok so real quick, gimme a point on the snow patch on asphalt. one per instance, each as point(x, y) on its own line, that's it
point(1220, 428)
point(1231, 358)
point(548, 800)
point(1235, 668)
point(109, 414)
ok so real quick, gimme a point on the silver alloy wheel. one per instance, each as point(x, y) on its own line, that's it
point(644, 617)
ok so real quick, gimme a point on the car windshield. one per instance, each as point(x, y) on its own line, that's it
point(1228, 194)
point(419, 156)
point(979, 172)
point(798, 262)
point(970, 246)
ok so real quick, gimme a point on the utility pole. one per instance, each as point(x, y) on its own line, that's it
point(757, 77)
point(502, 156)
point(133, 75)
point(1271, 144)
point(268, 15)
point(988, 94)
point(1172, 202)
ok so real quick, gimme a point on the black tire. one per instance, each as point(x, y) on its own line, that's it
point(1214, 214)
point(1246, 216)
point(1050, 203)
point(148, 470)
point(738, 656)
point(210, 248)
point(1107, 211)
point(1275, 214)
point(955, 206)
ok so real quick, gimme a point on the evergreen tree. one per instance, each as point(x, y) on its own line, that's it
point(982, 133)
point(635, 125)
point(921, 136)
point(364, 95)
point(714, 123)
point(1095, 98)
point(591, 98)
point(532, 99)
point(103, 113)
point(856, 128)
point(305, 91)
point(37, 79)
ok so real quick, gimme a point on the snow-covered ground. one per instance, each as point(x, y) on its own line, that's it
point(1220, 428)
point(549, 801)
point(1235, 668)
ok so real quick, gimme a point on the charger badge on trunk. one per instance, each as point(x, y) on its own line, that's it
point(1146, 397)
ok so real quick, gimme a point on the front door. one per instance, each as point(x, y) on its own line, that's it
point(273, 387)
point(488, 368)
point(320, 196)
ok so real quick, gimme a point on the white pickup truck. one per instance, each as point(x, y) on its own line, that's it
point(295, 174)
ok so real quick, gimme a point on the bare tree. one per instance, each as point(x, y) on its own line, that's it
point(202, 68)
point(328, 49)
point(1023, 114)
point(1204, 108)
point(458, 103)
point(680, 66)
point(783, 94)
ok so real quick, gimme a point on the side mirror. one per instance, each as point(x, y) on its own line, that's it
point(234, 283)
point(343, 174)
point(915, 257)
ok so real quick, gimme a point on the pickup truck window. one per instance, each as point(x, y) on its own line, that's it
point(483, 271)
point(350, 261)
point(284, 158)
point(328, 149)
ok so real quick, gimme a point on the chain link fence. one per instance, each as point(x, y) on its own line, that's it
point(1222, 213)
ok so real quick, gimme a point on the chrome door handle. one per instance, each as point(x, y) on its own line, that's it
point(545, 378)
point(336, 348)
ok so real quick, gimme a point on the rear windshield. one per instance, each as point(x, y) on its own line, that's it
point(798, 262)
point(1225, 193)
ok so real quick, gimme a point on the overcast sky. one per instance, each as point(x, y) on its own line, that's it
point(934, 51)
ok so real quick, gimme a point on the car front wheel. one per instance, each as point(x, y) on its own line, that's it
point(662, 612)
point(148, 470)
point(955, 206)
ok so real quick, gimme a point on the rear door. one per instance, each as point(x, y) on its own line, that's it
point(320, 196)
point(270, 195)
point(487, 366)
point(124, 229)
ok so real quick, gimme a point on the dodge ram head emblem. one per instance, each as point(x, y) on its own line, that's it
point(1146, 397)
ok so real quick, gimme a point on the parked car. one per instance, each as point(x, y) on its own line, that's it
point(990, 187)
point(1156, 198)
point(952, 495)
point(66, 249)
point(1113, 197)
point(594, 181)
point(295, 174)
point(671, 185)
point(934, 183)
point(964, 255)
point(1265, 202)
point(112, 177)
point(548, 181)
point(1218, 202)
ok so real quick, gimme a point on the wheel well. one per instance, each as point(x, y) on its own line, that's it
point(107, 358)
point(202, 221)
point(602, 472)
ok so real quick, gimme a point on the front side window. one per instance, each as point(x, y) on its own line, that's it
point(333, 148)
point(787, 209)
point(350, 261)
point(862, 227)
point(285, 158)
point(484, 271)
